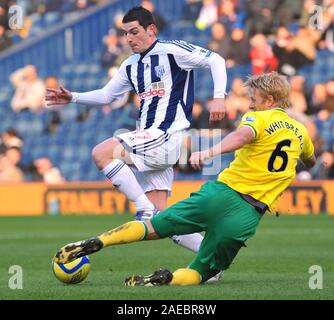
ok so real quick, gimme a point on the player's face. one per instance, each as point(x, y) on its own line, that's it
point(138, 38)
point(258, 102)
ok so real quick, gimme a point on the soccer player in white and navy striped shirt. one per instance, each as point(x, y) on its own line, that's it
point(140, 163)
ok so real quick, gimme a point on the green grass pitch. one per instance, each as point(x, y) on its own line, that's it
point(275, 264)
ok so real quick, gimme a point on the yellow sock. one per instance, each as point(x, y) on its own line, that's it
point(126, 233)
point(185, 277)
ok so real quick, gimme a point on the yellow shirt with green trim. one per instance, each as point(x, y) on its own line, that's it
point(266, 166)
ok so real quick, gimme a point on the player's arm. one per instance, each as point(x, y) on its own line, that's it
point(197, 57)
point(310, 163)
point(113, 90)
point(217, 106)
point(307, 156)
point(233, 141)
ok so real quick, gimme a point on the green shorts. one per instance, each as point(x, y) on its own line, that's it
point(227, 219)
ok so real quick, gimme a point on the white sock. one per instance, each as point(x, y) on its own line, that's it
point(143, 203)
point(123, 179)
point(189, 241)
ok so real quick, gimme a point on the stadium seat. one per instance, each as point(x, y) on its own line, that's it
point(54, 153)
point(66, 71)
point(51, 18)
point(70, 112)
point(81, 70)
point(94, 69)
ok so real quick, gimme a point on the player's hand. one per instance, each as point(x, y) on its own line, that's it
point(56, 97)
point(197, 159)
point(217, 109)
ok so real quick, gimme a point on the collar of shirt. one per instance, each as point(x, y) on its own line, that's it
point(143, 54)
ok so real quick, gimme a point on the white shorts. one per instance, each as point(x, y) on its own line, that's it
point(153, 153)
point(155, 180)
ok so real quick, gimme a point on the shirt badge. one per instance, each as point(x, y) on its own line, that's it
point(159, 71)
point(249, 119)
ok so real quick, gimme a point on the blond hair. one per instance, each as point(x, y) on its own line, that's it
point(272, 84)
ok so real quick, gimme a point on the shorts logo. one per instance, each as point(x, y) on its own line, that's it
point(138, 134)
point(152, 93)
point(250, 119)
point(159, 71)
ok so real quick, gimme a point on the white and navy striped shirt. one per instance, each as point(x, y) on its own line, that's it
point(162, 77)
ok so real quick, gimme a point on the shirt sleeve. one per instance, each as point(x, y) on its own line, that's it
point(253, 120)
point(113, 90)
point(308, 147)
point(189, 57)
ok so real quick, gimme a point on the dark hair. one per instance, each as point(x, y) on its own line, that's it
point(140, 14)
point(12, 132)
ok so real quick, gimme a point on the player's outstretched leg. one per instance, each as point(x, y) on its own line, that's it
point(126, 233)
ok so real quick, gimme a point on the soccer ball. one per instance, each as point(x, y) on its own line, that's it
point(72, 272)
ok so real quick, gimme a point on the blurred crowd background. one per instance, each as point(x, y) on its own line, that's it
point(294, 37)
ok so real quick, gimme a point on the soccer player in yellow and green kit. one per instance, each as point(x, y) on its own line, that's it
point(268, 144)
